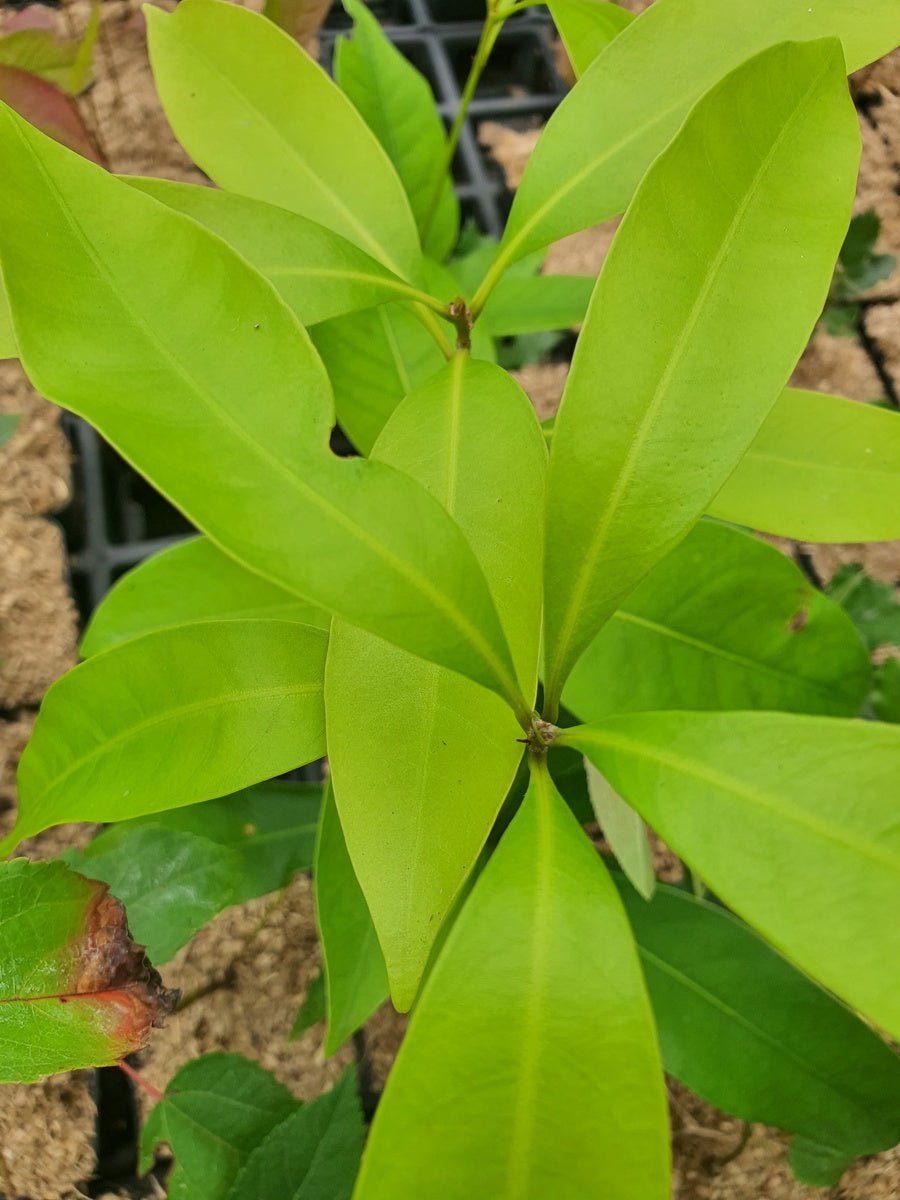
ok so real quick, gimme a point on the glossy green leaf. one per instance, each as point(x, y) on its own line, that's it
point(270, 827)
point(536, 303)
point(790, 820)
point(261, 118)
point(216, 392)
point(312, 1155)
point(190, 581)
point(312, 1010)
point(374, 358)
point(433, 793)
point(215, 1112)
point(74, 989)
point(172, 718)
point(652, 424)
point(175, 871)
point(355, 977)
point(171, 883)
point(530, 1066)
point(633, 98)
point(821, 469)
point(399, 107)
point(751, 1035)
point(317, 273)
point(723, 622)
point(587, 27)
point(623, 830)
point(872, 606)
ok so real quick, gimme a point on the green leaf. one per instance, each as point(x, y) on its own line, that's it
point(170, 719)
point(175, 871)
point(217, 394)
point(530, 1066)
point(191, 581)
point(216, 1110)
point(66, 63)
point(317, 273)
point(886, 695)
point(355, 977)
point(312, 1155)
point(754, 1037)
point(821, 469)
point(872, 606)
point(623, 830)
point(434, 791)
point(397, 104)
point(270, 827)
point(261, 118)
point(313, 1009)
point(587, 27)
point(584, 169)
point(374, 358)
point(75, 991)
point(9, 422)
point(171, 883)
point(538, 303)
point(634, 465)
point(723, 622)
point(790, 820)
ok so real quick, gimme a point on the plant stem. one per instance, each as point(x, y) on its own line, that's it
point(487, 285)
point(139, 1080)
point(426, 318)
point(490, 29)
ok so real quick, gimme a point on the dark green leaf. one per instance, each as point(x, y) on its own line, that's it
point(756, 1038)
point(873, 607)
point(313, 1009)
point(312, 1155)
point(723, 622)
point(215, 1111)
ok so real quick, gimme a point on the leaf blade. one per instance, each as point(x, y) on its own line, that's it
point(507, 1021)
point(236, 90)
point(757, 804)
point(695, 308)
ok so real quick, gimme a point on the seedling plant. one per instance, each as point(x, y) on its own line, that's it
point(507, 639)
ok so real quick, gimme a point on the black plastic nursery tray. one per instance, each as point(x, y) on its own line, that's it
point(116, 519)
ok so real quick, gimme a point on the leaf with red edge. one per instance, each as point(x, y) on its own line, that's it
point(48, 109)
point(75, 990)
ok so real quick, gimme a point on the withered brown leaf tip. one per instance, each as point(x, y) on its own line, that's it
point(111, 964)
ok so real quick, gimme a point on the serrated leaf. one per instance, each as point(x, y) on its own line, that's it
point(585, 169)
point(75, 991)
point(240, 95)
point(312, 1155)
point(587, 27)
point(633, 467)
point(166, 372)
point(756, 1038)
point(623, 830)
point(530, 1066)
point(317, 273)
point(191, 581)
point(723, 622)
point(434, 791)
point(215, 1111)
point(171, 883)
point(172, 718)
point(399, 107)
point(537, 303)
point(821, 469)
point(355, 977)
point(790, 820)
